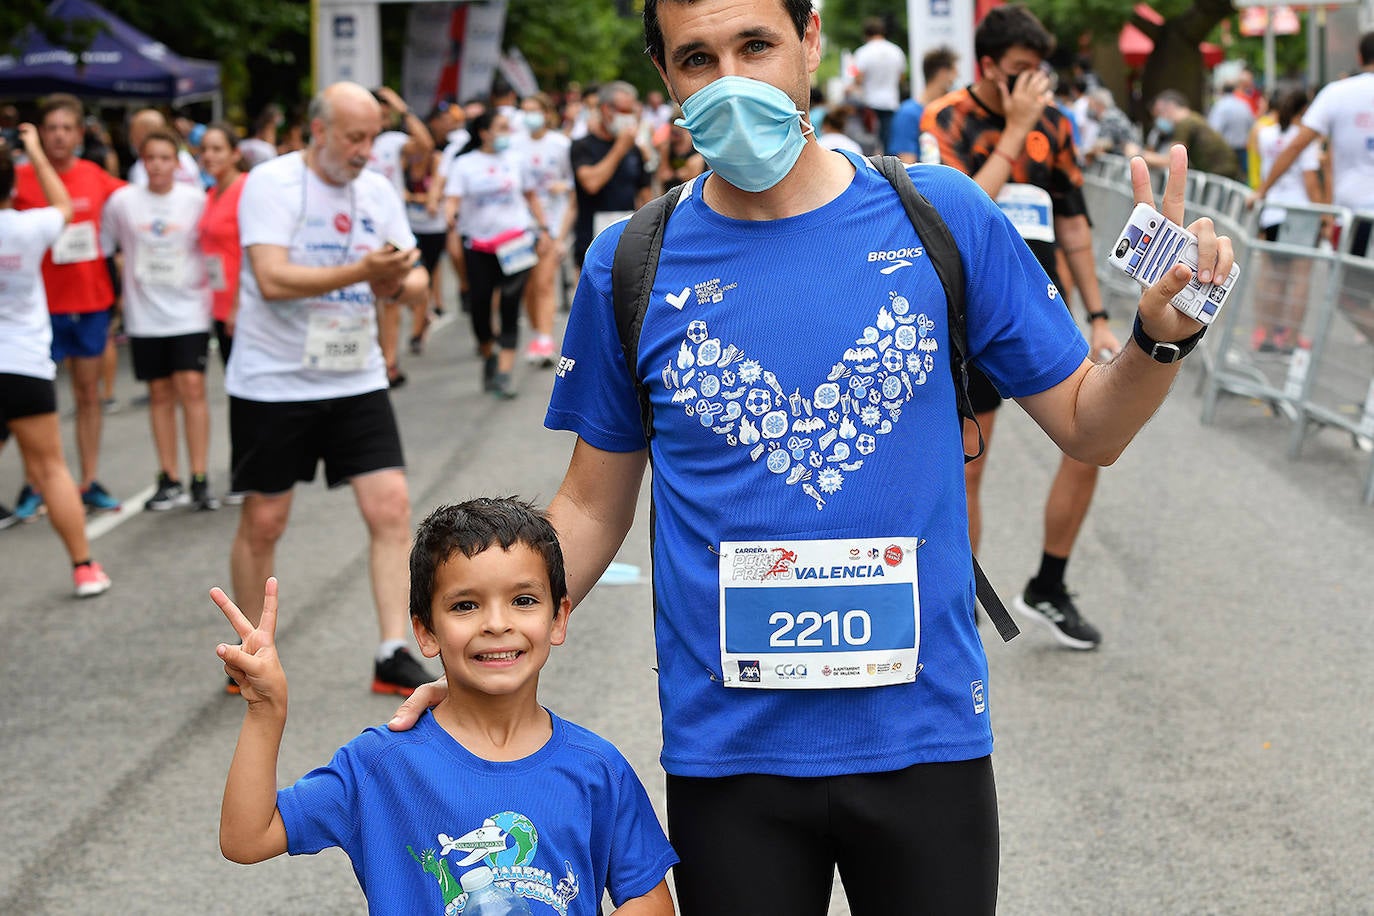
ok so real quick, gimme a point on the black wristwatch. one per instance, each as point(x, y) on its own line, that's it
point(1163, 351)
point(1100, 313)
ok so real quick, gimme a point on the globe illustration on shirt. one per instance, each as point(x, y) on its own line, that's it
point(523, 840)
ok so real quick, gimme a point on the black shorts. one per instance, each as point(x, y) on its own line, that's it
point(158, 357)
point(25, 396)
point(919, 840)
point(1359, 240)
point(432, 246)
point(274, 445)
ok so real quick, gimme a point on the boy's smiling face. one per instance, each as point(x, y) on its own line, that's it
point(494, 620)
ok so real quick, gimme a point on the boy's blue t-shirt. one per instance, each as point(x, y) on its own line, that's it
point(753, 331)
point(415, 810)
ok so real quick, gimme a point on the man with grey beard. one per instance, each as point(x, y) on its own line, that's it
point(325, 241)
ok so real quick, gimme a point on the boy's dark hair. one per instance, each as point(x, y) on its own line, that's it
point(1007, 27)
point(163, 134)
point(1367, 49)
point(941, 58)
point(798, 10)
point(472, 527)
point(61, 101)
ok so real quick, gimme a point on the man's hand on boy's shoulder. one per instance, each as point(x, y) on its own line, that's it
point(254, 664)
point(425, 697)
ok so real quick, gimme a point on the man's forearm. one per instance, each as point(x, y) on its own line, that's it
point(297, 281)
point(595, 177)
point(593, 511)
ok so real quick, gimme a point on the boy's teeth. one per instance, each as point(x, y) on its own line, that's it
point(498, 656)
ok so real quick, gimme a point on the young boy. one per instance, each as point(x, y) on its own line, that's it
point(488, 778)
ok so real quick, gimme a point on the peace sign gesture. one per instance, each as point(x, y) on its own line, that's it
point(1158, 318)
point(254, 664)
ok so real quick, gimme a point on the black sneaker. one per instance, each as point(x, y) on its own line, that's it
point(7, 518)
point(1057, 611)
point(170, 493)
point(489, 373)
point(503, 387)
point(400, 674)
point(201, 497)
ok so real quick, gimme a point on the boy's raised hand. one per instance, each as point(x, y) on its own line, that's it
point(254, 664)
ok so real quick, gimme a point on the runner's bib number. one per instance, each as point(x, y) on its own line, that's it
point(214, 273)
point(1030, 210)
point(819, 614)
point(161, 264)
point(75, 244)
point(517, 255)
point(338, 343)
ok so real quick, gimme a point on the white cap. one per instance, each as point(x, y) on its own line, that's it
point(476, 879)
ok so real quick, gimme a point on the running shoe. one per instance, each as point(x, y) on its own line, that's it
point(201, 497)
point(503, 387)
point(540, 352)
point(7, 518)
point(170, 493)
point(90, 580)
point(488, 372)
point(233, 498)
point(232, 687)
point(97, 499)
point(29, 505)
point(417, 345)
point(400, 674)
point(109, 406)
point(1057, 611)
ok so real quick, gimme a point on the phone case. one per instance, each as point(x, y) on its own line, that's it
point(1150, 245)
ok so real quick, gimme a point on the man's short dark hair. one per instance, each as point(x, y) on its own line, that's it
point(6, 171)
point(60, 101)
point(941, 58)
point(472, 527)
point(874, 25)
point(1007, 27)
point(163, 135)
point(1172, 96)
point(1367, 49)
point(798, 10)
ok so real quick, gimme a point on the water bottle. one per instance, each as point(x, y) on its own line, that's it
point(487, 898)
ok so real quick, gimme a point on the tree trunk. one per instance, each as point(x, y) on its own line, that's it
point(1176, 62)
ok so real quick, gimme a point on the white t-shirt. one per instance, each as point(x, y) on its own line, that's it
point(833, 140)
point(187, 173)
point(25, 329)
point(1290, 188)
point(882, 64)
point(492, 193)
point(385, 159)
point(546, 162)
point(165, 293)
point(1343, 112)
point(323, 225)
point(456, 141)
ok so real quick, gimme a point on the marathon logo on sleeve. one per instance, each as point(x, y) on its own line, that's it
point(565, 366)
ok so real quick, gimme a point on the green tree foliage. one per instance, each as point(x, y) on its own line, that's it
point(584, 40)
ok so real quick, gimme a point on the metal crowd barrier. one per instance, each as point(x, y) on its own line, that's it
point(1298, 331)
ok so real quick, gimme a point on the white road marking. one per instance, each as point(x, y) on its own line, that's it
point(109, 521)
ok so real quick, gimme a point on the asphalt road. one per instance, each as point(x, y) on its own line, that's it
point(1212, 757)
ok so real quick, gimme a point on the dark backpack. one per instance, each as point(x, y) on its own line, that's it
point(636, 264)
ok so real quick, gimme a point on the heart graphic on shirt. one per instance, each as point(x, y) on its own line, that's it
point(813, 436)
point(678, 300)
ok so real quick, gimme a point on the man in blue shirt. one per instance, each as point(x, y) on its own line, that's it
point(810, 530)
point(939, 69)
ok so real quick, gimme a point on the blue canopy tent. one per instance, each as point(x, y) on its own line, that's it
point(121, 64)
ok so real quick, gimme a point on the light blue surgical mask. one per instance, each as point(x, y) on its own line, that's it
point(501, 142)
point(1164, 125)
point(534, 120)
point(750, 132)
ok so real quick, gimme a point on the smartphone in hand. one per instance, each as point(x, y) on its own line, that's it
point(1150, 244)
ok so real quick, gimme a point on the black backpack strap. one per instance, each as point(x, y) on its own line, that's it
point(949, 267)
point(632, 280)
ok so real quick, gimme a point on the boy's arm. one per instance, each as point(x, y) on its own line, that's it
point(658, 902)
point(250, 826)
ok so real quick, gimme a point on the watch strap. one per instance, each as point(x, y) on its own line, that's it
point(1164, 351)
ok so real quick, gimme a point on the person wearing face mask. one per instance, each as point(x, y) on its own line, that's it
point(501, 222)
point(544, 155)
point(1175, 122)
point(612, 180)
point(1007, 134)
point(795, 355)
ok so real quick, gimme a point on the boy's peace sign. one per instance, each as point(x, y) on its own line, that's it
point(1158, 318)
point(254, 664)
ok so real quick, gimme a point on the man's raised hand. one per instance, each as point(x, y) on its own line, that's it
point(1160, 320)
point(254, 664)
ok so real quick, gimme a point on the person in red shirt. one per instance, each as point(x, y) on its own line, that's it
point(219, 229)
point(80, 293)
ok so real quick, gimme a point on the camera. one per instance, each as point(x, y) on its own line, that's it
point(1122, 247)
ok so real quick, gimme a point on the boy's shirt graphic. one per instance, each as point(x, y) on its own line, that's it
point(415, 810)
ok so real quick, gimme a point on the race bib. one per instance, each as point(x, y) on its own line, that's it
point(161, 264)
point(517, 255)
point(214, 273)
point(1030, 210)
point(338, 343)
point(819, 614)
point(76, 244)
